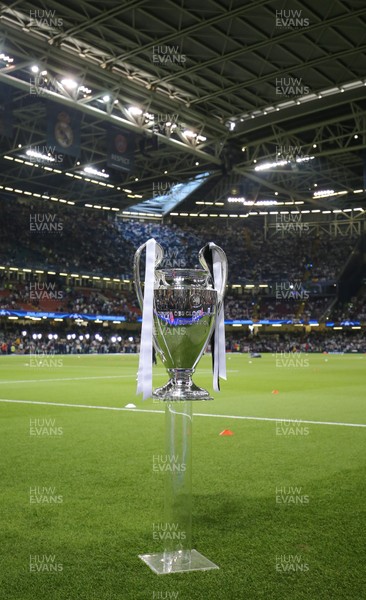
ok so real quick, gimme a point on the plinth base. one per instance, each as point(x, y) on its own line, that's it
point(161, 566)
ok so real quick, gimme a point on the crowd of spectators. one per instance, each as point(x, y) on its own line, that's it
point(248, 306)
point(128, 342)
point(41, 233)
point(251, 256)
point(340, 341)
point(44, 234)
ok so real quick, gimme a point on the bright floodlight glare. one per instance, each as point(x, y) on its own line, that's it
point(39, 336)
point(92, 171)
point(135, 111)
point(34, 69)
point(24, 333)
point(36, 154)
point(34, 336)
point(70, 84)
point(130, 339)
point(189, 133)
point(113, 339)
point(106, 98)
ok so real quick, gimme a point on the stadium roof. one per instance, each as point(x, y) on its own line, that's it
point(269, 101)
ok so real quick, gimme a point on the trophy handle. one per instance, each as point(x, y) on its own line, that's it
point(203, 253)
point(136, 269)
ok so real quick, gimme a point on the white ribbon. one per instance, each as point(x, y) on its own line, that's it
point(220, 347)
point(144, 375)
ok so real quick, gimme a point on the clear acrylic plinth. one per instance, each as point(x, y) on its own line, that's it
point(175, 529)
point(162, 565)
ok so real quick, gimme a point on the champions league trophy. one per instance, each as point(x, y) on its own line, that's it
point(182, 309)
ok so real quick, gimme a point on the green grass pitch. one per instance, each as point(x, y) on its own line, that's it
point(279, 506)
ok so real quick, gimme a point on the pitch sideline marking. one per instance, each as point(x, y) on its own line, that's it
point(79, 378)
point(148, 410)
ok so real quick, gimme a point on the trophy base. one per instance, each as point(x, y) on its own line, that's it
point(161, 565)
point(181, 388)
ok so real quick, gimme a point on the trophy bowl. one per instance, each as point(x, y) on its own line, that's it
point(185, 308)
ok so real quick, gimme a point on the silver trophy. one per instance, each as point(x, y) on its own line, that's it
point(185, 307)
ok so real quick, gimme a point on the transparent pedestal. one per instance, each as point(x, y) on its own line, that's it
point(176, 529)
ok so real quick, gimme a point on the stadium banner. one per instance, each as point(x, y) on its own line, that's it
point(63, 130)
point(6, 114)
point(120, 149)
point(86, 317)
point(58, 315)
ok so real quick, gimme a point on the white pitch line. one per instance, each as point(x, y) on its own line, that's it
point(78, 378)
point(148, 410)
point(65, 379)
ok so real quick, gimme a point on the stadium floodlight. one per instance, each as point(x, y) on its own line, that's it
point(135, 111)
point(68, 83)
point(39, 155)
point(35, 69)
point(189, 133)
point(92, 171)
point(271, 165)
point(322, 193)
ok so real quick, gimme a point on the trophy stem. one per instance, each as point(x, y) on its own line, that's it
point(181, 387)
point(176, 529)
